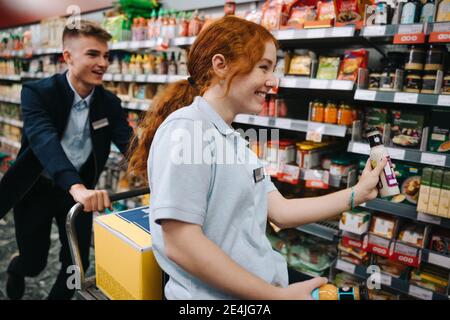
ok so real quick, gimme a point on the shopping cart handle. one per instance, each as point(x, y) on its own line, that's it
point(72, 233)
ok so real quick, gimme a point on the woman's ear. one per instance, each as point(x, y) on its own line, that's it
point(219, 65)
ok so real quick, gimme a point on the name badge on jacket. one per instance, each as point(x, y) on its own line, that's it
point(258, 174)
point(100, 123)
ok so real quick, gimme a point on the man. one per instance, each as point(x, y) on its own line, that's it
point(69, 123)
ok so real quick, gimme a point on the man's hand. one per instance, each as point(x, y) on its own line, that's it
point(92, 200)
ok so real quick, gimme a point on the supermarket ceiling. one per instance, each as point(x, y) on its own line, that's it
point(19, 12)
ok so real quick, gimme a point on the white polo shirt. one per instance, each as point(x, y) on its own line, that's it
point(201, 172)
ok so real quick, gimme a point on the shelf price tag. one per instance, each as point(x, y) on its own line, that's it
point(444, 100)
point(341, 85)
point(141, 77)
point(373, 31)
point(345, 266)
point(343, 32)
point(242, 118)
point(428, 218)
point(117, 77)
point(135, 44)
point(410, 28)
point(128, 77)
point(315, 131)
point(318, 84)
point(385, 279)
point(433, 159)
point(288, 82)
point(316, 33)
point(439, 260)
point(395, 153)
point(261, 121)
point(404, 97)
point(361, 148)
point(420, 293)
point(283, 123)
point(367, 95)
point(285, 34)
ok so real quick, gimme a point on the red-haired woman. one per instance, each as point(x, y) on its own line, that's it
point(210, 198)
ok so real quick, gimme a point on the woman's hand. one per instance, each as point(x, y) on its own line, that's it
point(366, 188)
point(302, 290)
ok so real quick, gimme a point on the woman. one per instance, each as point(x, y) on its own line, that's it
point(209, 214)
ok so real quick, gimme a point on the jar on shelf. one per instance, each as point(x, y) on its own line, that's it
point(317, 111)
point(330, 113)
point(413, 81)
point(416, 58)
point(434, 58)
point(344, 115)
point(374, 80)
point(429, 82)
point(446, 84)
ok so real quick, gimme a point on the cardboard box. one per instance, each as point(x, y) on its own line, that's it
point(439, 139)
point(444, 199)
point(355, 222)
point(125, 266)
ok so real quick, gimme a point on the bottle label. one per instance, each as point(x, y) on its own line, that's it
point(408, 14)
point(346, 293)
point(389, 173)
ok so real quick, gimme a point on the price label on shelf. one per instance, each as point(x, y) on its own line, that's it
point(318, 84)
point(361, 148)
point(341, 85)
point(120, 45)
point(367, 95)
point(128, 77)
point(405, 97)
point(288, 82)
point(373, 31)
point(315, 131)
point(385, 279)
point(283, 123)
point(141, 77)
point(395, 153)
point(242, 118)
point(107, 77)
point(410, 28)
point(428, 218)
point(444, 100)
point(343, 32)
point(420, 293)
point(261, 121)
point(117, 77)
point(285, 34)
point(439, 260)
point(316, 33)
point(135, 44)
point(132, 105)
point(345, 266)
point(433, 159)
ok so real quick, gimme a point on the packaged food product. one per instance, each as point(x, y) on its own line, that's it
point(427, 12)
point(410, 12)
point(330, 115)
point(317, 111)
point(375, 118)
point(416, 58)
point(374, 80)
point(344, 279)
point(300, 14)
point(440, 242)
point(382, 13)
point(331, 292)
point(326, 10)
point(370, 15)
point(309, 153)
point(424, 191)
point(339, 169)
point(383, 225)
point(444, 198)
point(352, 255)
point(439, 139)
point(355, 221)
point(392, 268)
point(435, 58)
point(353, 60)
point(279, 153)
point(435, 192)
point(347, 11)
point(413, 81)
point(407, 128)
point(409, 177)
point(345, 115)
point(446, 84)
point(300, 64)
point(381, 295)
point(429, 82)
point(431, 277)
point(412, 234)
point(274, 14)
point(328, 68)
point(443, 11)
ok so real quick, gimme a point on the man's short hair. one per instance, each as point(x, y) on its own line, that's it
point(87, 29)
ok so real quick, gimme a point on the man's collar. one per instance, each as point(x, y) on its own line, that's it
point(77, 97)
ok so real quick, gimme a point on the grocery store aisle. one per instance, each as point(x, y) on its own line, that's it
point(36, 288)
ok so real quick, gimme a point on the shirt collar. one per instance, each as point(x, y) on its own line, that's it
point(213, 116)
point(77, 97)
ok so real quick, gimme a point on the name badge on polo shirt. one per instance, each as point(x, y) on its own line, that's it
point(100, 123)
point(258, 174)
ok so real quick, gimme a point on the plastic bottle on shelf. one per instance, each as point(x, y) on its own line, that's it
point(411, 12)
point(172, 67)
point(172, 25)
point(182, 63)
point(134, 29)
point(132, 65)
point(331, 292)
point(142, 29)
point(427, 13)
point(183, 25)
point(388, 185)
point(151, 25)
point(158, 24)
point(138, 65)
point(164, 23)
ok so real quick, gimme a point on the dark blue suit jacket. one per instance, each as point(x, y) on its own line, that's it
point(46, 106)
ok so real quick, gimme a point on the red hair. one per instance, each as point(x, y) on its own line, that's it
point(241, 42)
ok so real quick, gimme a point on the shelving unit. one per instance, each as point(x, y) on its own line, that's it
point(403, 97)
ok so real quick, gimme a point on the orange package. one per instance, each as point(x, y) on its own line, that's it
point(353, 60)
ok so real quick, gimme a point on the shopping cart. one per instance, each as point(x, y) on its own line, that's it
point(88, 289)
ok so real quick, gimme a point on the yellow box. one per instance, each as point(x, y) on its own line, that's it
point(125, 266)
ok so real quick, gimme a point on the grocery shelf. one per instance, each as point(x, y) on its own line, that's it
point(404, 211)
point(37, 75)
point(10, 142)
point(308, 83)
point(14, 77)
point(314, 33)
point(403, 97)
point(145, 78)
point(322, 230)
point(292, 124)
point(9, 100)
point(130, 45)
point(410, 155)
point(386, 280)
point(13, 122)
point(136, 105)
point(182, 41)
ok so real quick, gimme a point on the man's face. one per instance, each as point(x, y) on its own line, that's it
point(87, 59)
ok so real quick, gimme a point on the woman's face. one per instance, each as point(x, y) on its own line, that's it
point(248, 92)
